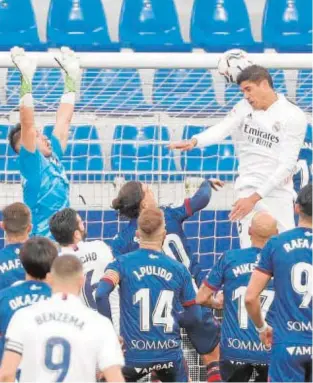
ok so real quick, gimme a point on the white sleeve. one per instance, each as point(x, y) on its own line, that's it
point(115, 308)
point(218, 132)
point(105, 251)
point(15, 333)
point(110, 352)
point(290, 148)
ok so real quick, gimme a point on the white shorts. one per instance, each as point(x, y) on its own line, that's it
point(281, 208)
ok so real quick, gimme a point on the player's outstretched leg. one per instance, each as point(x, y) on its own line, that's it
point(27, 67)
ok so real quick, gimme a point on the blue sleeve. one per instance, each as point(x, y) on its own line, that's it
point(188, 294)
point(115, 266)
point(215, 278)
point(103, 292)
point(265, 263)
point(123, 243)
point(196, 203)
point(118, 246)
point(56, 147)
point(196, 270)
point(30, 164)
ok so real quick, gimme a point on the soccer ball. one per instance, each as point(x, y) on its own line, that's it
point(232, 62)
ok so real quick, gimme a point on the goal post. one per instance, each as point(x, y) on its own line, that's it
point(129, 107)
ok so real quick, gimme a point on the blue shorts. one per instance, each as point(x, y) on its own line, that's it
point(206, 336)
point(168, 371)
point(291, 363)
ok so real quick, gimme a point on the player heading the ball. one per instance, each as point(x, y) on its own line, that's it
point(268, 132)
point(44, 182)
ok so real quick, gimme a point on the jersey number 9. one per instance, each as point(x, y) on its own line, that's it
point(302, 281)
point(57, 356)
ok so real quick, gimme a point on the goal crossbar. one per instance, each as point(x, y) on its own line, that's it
point(165, 60)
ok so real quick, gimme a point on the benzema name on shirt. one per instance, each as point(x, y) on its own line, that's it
point(59, 317)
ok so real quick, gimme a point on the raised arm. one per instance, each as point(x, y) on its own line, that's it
point(203, 195)
point(27, 68)
point(198, 201)
point(70, 70)
point(214, 134)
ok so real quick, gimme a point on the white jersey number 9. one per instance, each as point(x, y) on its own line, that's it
point(302, 282)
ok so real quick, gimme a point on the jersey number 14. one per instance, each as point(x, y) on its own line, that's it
point(162, 312)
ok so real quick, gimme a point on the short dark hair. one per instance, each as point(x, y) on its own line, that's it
point(256, 74)
point(63, 225)
point(304, 200)
point(129, 199)
point(15, 136)
point(66, 265)
point(37, 255)
point(16, 218)
point(150, 220)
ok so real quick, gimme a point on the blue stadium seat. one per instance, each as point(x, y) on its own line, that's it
point(304, 89)
point(287, 25)
point(47, 88)
point(227, 161)
point(184, 91)
point(18, 25)
point(83, 154)
point(212, 158)
point(112, 90)
point(144, 154)
point(218, 25)
point(79, 24)
point(200, 160)
point(9, 161)
point(151, 26)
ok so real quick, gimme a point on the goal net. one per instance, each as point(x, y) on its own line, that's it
point(129, 106)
